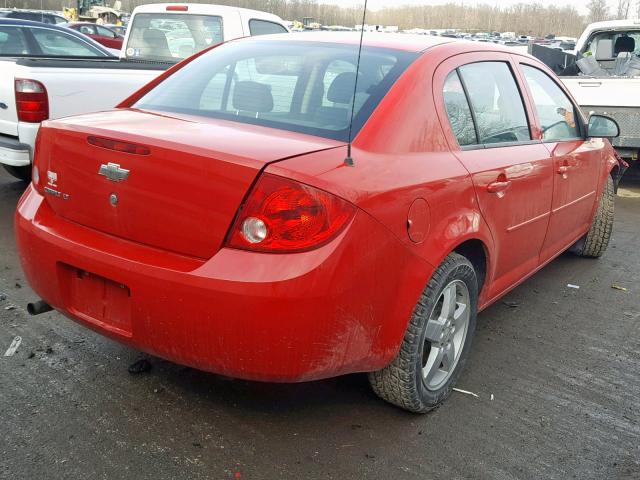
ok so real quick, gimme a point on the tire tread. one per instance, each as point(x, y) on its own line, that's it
point(599, 234)
point(396, 382)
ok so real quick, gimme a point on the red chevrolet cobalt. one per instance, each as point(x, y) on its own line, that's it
point(215, 218)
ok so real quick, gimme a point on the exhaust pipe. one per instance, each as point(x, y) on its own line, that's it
point(38, 307)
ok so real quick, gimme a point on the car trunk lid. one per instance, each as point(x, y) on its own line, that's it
point(181, 187)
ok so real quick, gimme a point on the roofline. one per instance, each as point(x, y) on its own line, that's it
point(154, 7)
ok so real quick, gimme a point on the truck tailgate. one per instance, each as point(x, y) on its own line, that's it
point(8, 114)
point(605, 91)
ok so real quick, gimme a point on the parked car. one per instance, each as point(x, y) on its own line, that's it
point(33, 15)
point(159, 36)
point(103, 35)
point(218, 217)
point(24, 38)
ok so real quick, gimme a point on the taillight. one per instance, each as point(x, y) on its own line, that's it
point(32, 102)
point(282, 215)
point(177, 8)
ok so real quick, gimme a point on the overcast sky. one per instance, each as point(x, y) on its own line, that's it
point(377, 4)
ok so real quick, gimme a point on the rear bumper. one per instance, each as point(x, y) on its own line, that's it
point(13, 152)
point(338, 309)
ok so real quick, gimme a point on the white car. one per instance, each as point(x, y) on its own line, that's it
point(159, 35)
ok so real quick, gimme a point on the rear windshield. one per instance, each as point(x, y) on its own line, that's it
point(171, 37)
point(302, 87)
point(617, 42)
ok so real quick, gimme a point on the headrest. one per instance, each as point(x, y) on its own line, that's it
point(624, 44)
point(252, 97)
point(153, 34)
point(341, 89)
point(604, 49)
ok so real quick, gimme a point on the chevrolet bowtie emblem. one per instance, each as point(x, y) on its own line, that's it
point(113, 172)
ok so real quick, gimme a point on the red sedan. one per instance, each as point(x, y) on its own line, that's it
point(215, 218)
point(103, 35)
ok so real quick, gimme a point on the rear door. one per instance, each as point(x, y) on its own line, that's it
point(89, 31)
point(107, 38)
point(576, 163)
point(511, 171)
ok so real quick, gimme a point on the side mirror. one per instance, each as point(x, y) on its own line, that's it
point(602, 127)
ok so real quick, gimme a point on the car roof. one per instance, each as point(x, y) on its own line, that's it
point(34, 12)
point(29, 23)
point(395, 41)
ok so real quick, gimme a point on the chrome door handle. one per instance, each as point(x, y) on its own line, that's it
point(590, 84)
point(563, 170)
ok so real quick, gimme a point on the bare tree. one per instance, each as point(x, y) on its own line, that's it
point(531, 18)
point(623, 9)
point(598, 10)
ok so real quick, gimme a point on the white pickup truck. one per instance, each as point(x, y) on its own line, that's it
point(604, 77)
point(159, 35)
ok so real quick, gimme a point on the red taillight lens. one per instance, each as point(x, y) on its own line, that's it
point(282, 216)
point(118, 146)
point(32, 101)
point(177, 8)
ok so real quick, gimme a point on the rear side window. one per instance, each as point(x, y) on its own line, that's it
point(458, 111)
point(105, 32)
point(12, 41)
point(496, 102)
point(87, 29)
point(59, 44)
point(558, 117)
point(264, 27)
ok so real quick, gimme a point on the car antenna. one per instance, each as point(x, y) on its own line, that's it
point(349, 160)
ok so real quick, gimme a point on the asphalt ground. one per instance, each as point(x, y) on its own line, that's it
point(555, 370)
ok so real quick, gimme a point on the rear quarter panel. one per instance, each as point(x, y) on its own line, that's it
point(401, 155)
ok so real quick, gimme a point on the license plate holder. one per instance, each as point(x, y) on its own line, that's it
point(99, 300)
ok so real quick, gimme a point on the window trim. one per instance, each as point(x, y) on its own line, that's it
point(265, 21)
point(582, 126)
point(473, 114)
point(487, 146)
point(527, 114)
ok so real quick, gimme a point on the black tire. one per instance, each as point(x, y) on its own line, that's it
point(23, 173)
point(401, 382)
point(595, 242)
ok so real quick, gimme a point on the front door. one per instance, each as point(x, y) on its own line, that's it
point(512, 174)
point(576, 162)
